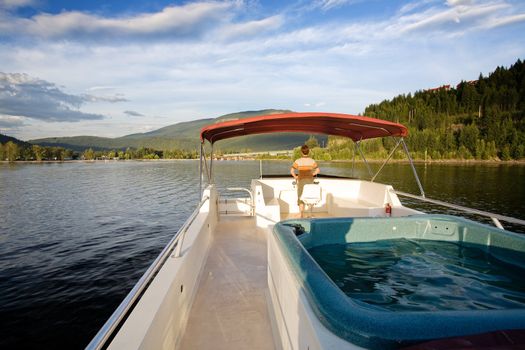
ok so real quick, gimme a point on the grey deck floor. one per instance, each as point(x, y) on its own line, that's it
point(230, 311)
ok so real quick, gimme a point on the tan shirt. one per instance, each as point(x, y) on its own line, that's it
point(305, 166)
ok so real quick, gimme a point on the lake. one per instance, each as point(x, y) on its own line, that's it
point(75, 237)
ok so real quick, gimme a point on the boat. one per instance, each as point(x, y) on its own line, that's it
point(240, 274)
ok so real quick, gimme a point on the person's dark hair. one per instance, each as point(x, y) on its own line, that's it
point(305, 150)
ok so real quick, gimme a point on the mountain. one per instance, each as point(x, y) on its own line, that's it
point(184, 135)
point(4, 139)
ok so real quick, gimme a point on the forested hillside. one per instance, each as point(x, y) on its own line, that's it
point(6, 139)
point(481, 119)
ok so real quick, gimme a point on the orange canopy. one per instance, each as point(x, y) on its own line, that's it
point(355, 127)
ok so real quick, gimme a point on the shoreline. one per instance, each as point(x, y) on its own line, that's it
point(397, 161)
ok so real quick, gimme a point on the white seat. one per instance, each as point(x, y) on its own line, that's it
point(312, 195)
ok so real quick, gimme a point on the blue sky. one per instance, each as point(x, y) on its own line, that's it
point(114, 68)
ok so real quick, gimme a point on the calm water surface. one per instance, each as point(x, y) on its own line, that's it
point(420, 275)
point(75, 237)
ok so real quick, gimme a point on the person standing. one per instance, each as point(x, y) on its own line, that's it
point(306, 169)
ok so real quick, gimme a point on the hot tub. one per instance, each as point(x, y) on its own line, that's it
point(307, 301)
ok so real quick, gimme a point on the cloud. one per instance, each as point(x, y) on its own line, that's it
point(251, 28)
point(110, 99)
point(458, 2)
point(461, 14)
point(24, 96)
point(133, 114)
point(317, 104)
point(330, 4)
point(189, 20)
point(99, 88)
point(503, 21)
point(12, 4)
point(9, 123)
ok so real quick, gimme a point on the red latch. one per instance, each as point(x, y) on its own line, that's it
point(388, 209)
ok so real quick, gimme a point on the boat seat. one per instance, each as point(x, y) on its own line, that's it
point(341, 206)
point(311, 196)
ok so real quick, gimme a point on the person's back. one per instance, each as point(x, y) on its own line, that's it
point(306, 169)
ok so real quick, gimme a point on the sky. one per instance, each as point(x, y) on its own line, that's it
point(112, 68)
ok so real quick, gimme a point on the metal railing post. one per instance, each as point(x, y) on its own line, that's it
point(387, 159)
point(364, 159)
point(182, 232)
point(495, 217)
point(211, 164)
point(413, 168)
point(239, 189)
point(353, 160)
point(206, 166)
point(200, 173)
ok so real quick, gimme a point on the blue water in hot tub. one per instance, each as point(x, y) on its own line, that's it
point(422, 275)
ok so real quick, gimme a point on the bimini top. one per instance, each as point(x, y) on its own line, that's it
point(355, 127)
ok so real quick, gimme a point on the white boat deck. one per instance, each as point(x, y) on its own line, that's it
point(230, 309)
point(214, 293)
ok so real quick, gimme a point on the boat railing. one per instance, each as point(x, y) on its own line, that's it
point(106, 333)
point(495, 217)
point(250, 204)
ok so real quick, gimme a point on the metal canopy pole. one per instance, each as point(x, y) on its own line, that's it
point(200, 172)
point(363, 156)
point(206, 166)
point(353, 161)
point(260, 168)
point(413, 168)
point(211, 164)
point(387, 159)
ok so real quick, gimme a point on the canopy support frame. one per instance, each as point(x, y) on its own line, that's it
point(206, 166)
point(413, 168)
point(201, 174)
point(358, 145)
point(387, 159)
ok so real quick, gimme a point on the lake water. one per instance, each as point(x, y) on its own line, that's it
point(75, 237)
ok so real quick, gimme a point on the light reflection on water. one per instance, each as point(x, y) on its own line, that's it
point(420, 275)
point(75, 237)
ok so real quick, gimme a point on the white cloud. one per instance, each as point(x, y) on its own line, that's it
point(12, 4)
point(172, 22)
point(503, 21)
point(459, 2)
point(440, 19)
point(250, 28)
point(331, 4)
point(110, 99)
point(99, 88)
point(10, 123)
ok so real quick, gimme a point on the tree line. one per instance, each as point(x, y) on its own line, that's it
point(12, 151)
point(140, 153)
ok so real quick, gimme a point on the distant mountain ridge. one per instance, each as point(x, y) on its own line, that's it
point(5, 139)
point(184, 135)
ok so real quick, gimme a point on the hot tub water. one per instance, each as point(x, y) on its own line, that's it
point(422, 275)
